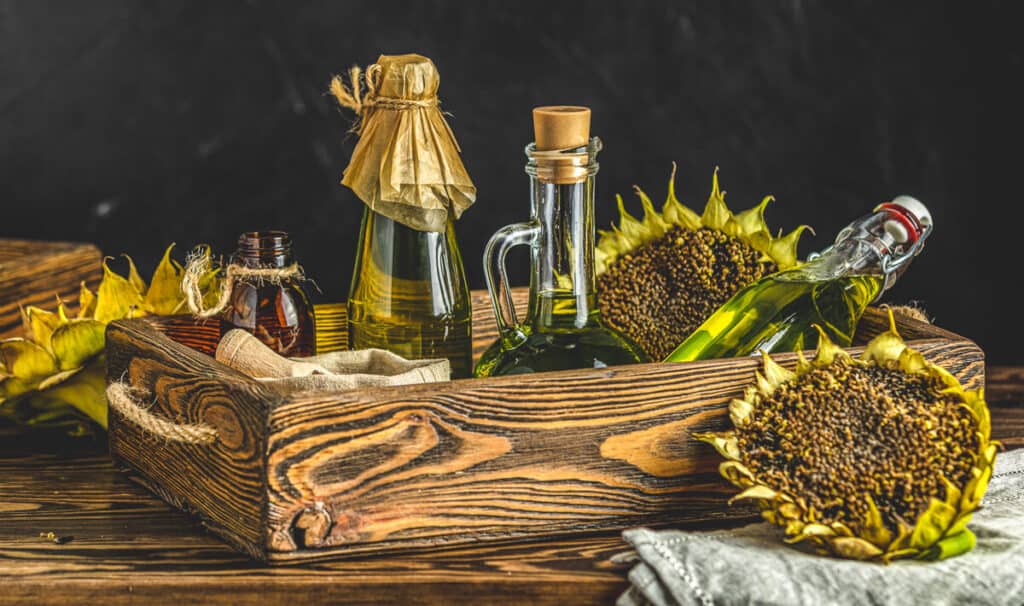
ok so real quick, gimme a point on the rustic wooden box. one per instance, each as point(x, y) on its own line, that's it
point(296, 480)
point(37, 273)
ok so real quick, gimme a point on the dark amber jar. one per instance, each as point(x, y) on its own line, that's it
point(273, 308)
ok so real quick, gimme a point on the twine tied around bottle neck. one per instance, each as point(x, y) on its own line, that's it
point(200, 265)
point(352, 96)
point(123, 399)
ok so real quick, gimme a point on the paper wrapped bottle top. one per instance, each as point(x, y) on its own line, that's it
point(406, 165)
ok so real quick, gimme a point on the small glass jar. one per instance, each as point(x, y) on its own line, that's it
point(274, 308)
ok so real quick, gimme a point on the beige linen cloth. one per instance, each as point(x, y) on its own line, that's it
point(335, 371)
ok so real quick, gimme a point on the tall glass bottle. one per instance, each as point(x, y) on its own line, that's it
point(409, 294)
point(779, 312)
point(276, 311)
point(563, 328)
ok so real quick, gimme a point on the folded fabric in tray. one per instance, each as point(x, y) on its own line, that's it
point(335, 371)
point(751, 565)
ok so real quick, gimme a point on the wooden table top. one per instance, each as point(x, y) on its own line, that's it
point(130, 548)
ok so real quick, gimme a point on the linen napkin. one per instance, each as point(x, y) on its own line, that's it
point(751, 565)
point(335, 371)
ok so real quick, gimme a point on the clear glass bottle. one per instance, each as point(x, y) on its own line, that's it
point(279, 314)
point(563, 328)
point(779, 312)
point(409, 294)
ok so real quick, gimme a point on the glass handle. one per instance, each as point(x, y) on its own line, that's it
point(497, 276)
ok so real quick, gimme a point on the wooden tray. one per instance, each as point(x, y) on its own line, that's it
point(499, 459)
point(37, 273)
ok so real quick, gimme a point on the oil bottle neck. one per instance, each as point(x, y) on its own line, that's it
point(881, 244)
point(563, 295)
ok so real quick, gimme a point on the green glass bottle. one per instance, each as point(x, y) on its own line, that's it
point(779, 312)
point(563, 328)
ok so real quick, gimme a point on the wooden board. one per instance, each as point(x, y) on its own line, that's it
point(37, 273)
point(131, 548)
point(505, 458)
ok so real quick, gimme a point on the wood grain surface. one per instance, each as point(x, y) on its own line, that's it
point(511, 457)
point(37, 273)
point(222, 482)
point(131, 548)
point(506, 458)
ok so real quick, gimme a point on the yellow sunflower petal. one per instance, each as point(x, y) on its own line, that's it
point(827, 350)
point(134, 277)
point(775, 375)
point(854, 548)
point(932, 524)
point(737, 473)
point(874, 528)
point(759, 491)
point(674, 212)
point(631, 229)
point(164, 295)
point(86, 302)
point(40, 324)
point(784, 250)
point(652, 221)
point(725, 444)
point(76, 342)
point(740, 411)
point(716, 214)
point(117, 297)
point(86, 391)
point(887, 347)
point(26, 360)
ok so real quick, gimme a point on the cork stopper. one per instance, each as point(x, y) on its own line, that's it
point(561, 127)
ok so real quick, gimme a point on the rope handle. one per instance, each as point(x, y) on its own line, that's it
point(122, 398)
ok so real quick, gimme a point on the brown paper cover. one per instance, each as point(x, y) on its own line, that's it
point(406, 165)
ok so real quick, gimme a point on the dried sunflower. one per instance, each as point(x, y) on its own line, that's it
point(58, 373)
point(659, 278)
point(878, 458)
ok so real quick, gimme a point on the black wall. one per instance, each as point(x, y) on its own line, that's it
point(134, 124)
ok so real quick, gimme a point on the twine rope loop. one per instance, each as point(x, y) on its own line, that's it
point(122, 398)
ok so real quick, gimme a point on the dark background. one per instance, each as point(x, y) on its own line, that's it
point(135, 124)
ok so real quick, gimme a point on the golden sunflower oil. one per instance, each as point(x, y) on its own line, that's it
point(409, 294)
point(779, 312)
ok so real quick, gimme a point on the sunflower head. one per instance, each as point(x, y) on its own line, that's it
point(877, 458)
point(661, 276)
point(56, 374)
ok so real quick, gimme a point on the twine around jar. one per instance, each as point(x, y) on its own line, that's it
point(199, 265)
point(122, 398)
